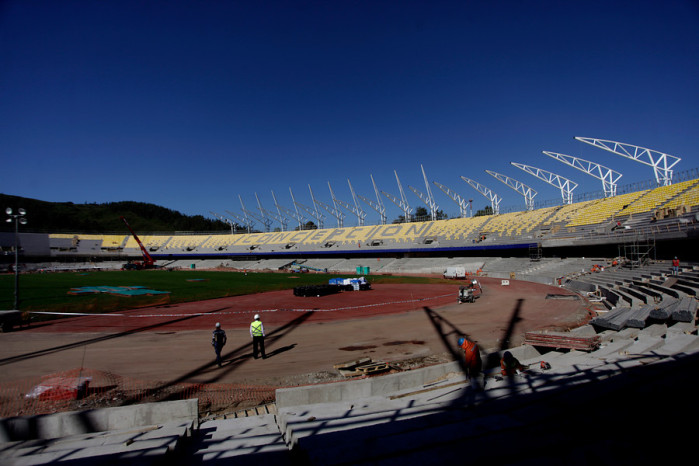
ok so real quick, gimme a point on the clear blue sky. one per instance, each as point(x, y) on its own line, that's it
point(190, 104)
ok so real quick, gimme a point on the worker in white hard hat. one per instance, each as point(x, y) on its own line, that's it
point(257, 332)
point(218, 341)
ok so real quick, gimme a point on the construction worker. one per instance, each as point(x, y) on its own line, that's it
point(675, 266)
point(509, 365)
point(472, 357)
point(218, 341)
point(257, 332)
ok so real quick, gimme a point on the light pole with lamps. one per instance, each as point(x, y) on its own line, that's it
point(18, 218)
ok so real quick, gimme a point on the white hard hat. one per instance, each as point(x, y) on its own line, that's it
point(257, 316)
point(218, 324)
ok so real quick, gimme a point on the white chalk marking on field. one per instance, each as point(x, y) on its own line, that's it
point(201, 314)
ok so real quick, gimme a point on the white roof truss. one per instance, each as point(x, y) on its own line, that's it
point(402, 203)
point(454, 196)
point(607, 176)
point(378, 206)
point(662, 163)
point(487, 192)
point(564, 184)
point(518, 186)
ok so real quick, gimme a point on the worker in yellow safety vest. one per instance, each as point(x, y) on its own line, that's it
point(257, 332)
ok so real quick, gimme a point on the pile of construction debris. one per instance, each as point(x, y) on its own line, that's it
point(361, 367)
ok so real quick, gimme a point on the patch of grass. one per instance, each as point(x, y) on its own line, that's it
point(49, 292)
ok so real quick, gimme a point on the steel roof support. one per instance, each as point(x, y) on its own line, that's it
point(242, 220)
point(312, 212)
point(428, 199)
point(263, 219)
point(227, 220)
point(490, 195)
point(460, 201)
point(564, 184)
point(275, 216)
point(378, 207)
point(662, 163)
point(286, 213)
point(518, 186)
point(402, 203)
point(354, 210)
point(607, 176)
point(335, 212)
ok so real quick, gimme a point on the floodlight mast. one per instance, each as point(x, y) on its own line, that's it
point(402, 203)
point(332, 211)
point(518, 186)
point(564, 184)
point(378, 207)
point(460, 201)
point(662, 163)
point(487, 192)
point(607, 176)
point(264, 220)
point(225, 220)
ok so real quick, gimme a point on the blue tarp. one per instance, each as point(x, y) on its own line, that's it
point(116, 290)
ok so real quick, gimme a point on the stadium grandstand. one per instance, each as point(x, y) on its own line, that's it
point(653, 223)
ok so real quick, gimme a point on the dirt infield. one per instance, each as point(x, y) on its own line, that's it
point(305, 336)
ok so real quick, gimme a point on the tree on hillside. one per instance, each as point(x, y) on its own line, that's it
point(308, 226)
point(487, 210)
point(422, 215)
point(105, 218)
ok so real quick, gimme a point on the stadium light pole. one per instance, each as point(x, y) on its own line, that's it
point(18, 218)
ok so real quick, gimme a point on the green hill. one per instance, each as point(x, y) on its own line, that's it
point(57, 217)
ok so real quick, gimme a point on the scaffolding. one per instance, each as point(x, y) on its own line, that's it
point(639, 252)
point(535, 252)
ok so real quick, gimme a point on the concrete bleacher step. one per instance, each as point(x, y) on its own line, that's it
point(687, 286)
point(676, 343)
point(644, 345)
point(250, 440)
point(143, 445)
point(381, 430)
point(642, 287)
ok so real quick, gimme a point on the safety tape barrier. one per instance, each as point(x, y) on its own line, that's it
point(79, 389)
point(199, 314)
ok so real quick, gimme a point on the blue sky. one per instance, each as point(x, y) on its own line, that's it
point(190, 104)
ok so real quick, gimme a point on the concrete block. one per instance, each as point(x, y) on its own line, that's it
point(612, 348)
point(683, 327)
point(645, 344)
point(99, 420)
point(584, 331)
point(679, 343)
point(655, 330)
point(357, 389)
point(607, 335)
point(627, 334)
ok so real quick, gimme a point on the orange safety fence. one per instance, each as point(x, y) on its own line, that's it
point(80, 389)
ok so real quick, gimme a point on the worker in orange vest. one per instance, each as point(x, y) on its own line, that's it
point(472, 357)
point(675, 266)
point(509, 365)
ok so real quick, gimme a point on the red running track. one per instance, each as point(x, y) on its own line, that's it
point(275, 308)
